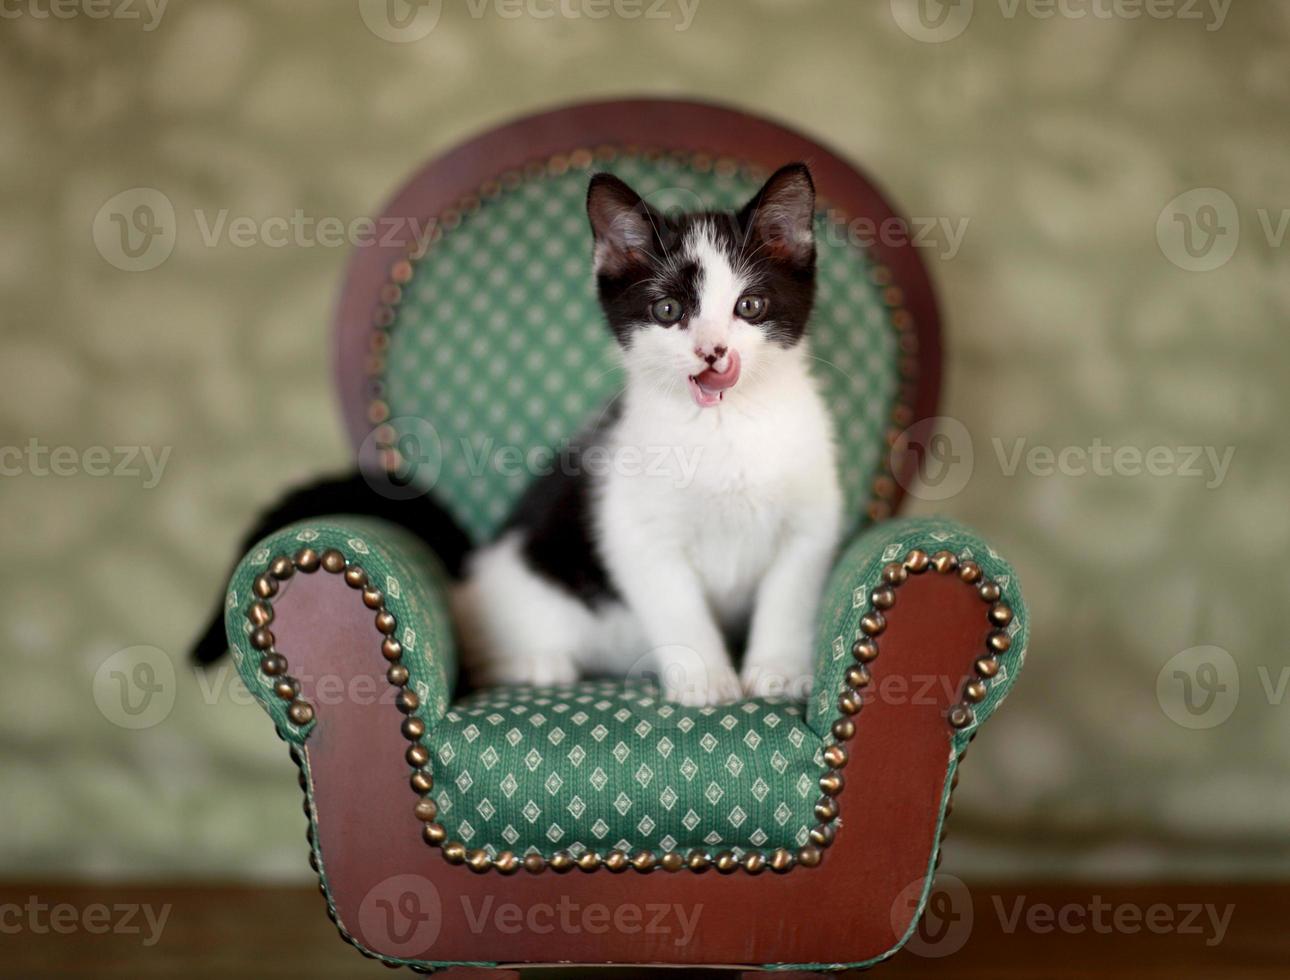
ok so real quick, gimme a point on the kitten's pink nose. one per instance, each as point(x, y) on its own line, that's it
point(712, 354)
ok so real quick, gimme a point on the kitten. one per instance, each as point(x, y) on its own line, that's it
point(713, 508)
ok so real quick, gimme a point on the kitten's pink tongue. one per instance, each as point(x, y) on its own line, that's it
point(707, 388)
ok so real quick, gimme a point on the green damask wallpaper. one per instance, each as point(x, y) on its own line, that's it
point(1102, 202)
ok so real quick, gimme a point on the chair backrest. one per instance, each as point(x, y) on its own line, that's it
point(471, 346)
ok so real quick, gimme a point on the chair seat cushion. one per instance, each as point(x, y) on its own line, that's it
point(606, 764)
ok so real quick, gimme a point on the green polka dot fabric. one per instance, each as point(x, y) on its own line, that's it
point(610, 764)
point(499, 348)
point(859, 571)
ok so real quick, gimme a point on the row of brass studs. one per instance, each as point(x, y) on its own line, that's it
point(883, 486)
point(273, 664)
point(698, 859)
point(916, 562)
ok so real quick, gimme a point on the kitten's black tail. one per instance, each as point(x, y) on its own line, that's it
point(349, 493)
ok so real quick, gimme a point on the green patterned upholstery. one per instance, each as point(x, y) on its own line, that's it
point(609, 764)
point(499, 343)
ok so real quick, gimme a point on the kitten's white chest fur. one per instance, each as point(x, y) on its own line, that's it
point(731, 487)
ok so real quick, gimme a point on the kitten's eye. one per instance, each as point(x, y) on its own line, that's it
point(666, 311)
point(751, 308)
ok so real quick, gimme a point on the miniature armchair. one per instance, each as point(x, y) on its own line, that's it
point(445, 827)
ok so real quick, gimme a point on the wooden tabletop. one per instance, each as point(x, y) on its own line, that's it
point(1174, 931)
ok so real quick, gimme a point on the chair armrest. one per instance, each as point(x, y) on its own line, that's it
point(867, 565)
point(395, 583)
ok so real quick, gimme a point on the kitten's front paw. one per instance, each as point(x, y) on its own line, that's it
point(793, 682)
point(715, 686)
point(541, 671)
point(695, 681)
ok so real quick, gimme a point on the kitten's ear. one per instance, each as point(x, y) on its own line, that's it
point(781, 216)
point(621, 223)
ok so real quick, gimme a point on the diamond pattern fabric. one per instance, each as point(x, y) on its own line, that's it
point(609, 764)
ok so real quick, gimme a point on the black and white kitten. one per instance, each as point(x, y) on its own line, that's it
point(713, 509)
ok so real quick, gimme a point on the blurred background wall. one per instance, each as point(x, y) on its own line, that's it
point(1087, 304)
